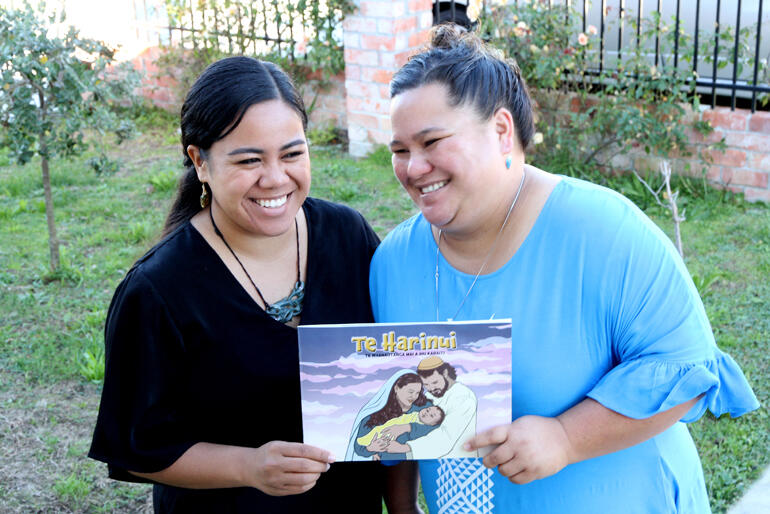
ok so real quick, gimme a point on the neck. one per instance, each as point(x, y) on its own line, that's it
point(249, 245)
point(471, 245)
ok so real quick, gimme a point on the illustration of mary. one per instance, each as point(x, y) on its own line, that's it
point(399, 408)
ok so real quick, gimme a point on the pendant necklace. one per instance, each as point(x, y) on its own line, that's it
point(282, 310)
point(489, 254)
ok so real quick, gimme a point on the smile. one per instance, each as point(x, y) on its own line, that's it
point(271, 203)
point(433, 187)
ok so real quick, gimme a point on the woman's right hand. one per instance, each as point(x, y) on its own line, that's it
point(280, 468)
point(378, 444)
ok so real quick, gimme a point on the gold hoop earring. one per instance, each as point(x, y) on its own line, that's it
point(205, 199)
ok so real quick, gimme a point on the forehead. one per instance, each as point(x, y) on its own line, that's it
point(433, 376)
point(265, 124)
point(426, 107)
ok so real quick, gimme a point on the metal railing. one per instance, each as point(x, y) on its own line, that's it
point(728, 73)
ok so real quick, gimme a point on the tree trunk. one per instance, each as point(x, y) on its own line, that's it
point(53, 242)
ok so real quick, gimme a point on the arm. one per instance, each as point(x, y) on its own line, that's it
point(534, 447)
point(401, 488)
point(276, 468)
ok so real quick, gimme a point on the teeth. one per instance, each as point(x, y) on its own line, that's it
point(433, 187)
point(271, 203)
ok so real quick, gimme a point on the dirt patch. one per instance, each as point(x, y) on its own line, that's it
point(45, 433)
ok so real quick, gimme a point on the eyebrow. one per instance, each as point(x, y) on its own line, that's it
point(418, 134)
point(259, 150)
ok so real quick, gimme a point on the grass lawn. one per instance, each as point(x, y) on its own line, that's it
point(51, 331)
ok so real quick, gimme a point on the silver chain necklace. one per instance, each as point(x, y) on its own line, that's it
point(489, 254)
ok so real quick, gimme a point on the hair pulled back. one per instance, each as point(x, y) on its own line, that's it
point(474, 73)
point(214, 107)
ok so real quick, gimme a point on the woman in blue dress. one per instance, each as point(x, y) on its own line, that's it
point(612, 349)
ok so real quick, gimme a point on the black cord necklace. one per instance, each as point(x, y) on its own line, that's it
point(282, 310)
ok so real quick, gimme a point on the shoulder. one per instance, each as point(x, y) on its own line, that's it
point(164, 266)
point(402, 240)
point(339, 221)
point(608, 223)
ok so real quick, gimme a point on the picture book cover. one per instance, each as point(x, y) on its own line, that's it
point(403, 391)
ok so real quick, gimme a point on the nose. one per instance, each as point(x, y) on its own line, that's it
point(418, 166)
point(272, 175)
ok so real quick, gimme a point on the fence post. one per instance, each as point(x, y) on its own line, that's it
point(379, 37)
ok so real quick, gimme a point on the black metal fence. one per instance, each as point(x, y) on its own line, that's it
point(730, 57)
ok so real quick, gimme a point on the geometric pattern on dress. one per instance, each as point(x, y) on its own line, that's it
point(464, 486)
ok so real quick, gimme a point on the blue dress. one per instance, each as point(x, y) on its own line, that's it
point(602, 307)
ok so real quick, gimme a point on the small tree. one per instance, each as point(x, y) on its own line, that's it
point(53, 89)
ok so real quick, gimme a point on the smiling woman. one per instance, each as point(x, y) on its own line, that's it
point(614, 352)
point(201, 388)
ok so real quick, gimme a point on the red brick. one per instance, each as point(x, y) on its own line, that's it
point(363, 57)
point(419, 38)
point(385, 124)
point(420, 5)
point(714, 173)
point(380, 137)
point(757, 195)
point(725, 118)
point(729, 157)
point(352, 40)
point(382, 9)
point(359, 24)
point(760, 122)
point(694, 136)
point(364, 120)
point(352, 71)
point(371, 42)
point(369, 105)
point(747, 141)
point(405, 24)
point(385, 91)
point(745, 178)
point(377, 75)
point(403, 57)
point(759, 161)
point(357, 88)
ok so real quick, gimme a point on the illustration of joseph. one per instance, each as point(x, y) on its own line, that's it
point(459, 404)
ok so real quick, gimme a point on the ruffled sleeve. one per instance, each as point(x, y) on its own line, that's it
point(661, 340)
point(644, 387)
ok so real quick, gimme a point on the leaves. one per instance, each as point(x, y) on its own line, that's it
point(55, 87)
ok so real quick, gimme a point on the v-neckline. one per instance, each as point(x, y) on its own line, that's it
point(242, 290)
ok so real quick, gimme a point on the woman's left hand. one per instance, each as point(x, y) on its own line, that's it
point(532, 447)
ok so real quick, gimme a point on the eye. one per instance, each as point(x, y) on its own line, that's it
point(293, 155)
point(400, 151)
point(250, 160)
point(431, 141)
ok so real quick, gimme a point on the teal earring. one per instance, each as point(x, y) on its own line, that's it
point(508, 161)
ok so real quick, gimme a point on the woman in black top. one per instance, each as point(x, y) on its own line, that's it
point(201, 391)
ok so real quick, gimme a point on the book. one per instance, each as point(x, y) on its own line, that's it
point(383, 391)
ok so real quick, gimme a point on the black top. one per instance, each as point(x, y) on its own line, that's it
point(190, 357)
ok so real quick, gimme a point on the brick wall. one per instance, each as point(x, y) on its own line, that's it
point(744, 166)
point(379, 38)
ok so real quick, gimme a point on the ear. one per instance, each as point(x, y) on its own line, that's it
point(201, 166)
point(505, 129)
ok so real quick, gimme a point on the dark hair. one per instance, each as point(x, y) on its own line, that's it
point(474, 73)
point(425, 373)
point(214, 107)
point(392, 409)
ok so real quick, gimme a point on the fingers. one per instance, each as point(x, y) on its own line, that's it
point(502, 454)
point(496, 435)
point(305, 451)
